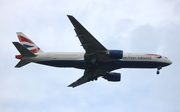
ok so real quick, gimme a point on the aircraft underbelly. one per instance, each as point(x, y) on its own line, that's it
point(78, 64)
point(102, 65)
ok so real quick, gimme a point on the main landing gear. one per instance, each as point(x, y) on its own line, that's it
point(93, 78)
point(158, 70)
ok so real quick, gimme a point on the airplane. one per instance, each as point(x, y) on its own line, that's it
point(97, 61)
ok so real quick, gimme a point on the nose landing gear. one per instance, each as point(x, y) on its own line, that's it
point(158, 70)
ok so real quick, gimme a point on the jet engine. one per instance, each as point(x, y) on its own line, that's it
point(114, 77)
point(115, 54)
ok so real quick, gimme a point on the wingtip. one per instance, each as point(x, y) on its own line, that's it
point(15, 42)
point(69, 16)
point(18, 32)
point(70, 86)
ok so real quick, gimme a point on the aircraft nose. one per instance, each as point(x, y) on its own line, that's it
point(169, 62)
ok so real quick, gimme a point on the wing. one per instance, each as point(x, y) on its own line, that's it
point(89, 43)
point(95, 51)
point(88, 75)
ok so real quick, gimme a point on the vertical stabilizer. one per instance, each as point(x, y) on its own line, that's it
point(27, 43)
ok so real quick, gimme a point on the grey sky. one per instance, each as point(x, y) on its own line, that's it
point(151, 26)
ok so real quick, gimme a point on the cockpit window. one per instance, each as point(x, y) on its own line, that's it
point(155, 55)
point(166, 57)
point(159, 56)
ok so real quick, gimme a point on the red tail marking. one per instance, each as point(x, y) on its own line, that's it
point(23, 39)
point(35, 50)
point(18, 56)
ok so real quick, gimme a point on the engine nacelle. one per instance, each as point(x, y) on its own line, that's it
point(115, 54)
point(114, 77)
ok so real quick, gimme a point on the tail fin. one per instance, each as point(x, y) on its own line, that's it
point(27, 43)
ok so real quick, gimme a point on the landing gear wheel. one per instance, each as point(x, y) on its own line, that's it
point(158, 72)
point(95, 78)
point(159, 68)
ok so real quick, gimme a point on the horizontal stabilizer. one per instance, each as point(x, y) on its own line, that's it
point(21, 63)
point(24, 51)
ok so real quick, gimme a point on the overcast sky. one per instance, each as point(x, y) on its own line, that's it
point(148, 26)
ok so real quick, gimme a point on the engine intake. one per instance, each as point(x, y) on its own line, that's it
point(115, 54)
point(114, 77)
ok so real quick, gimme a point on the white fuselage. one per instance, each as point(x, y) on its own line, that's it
point(129, 60)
